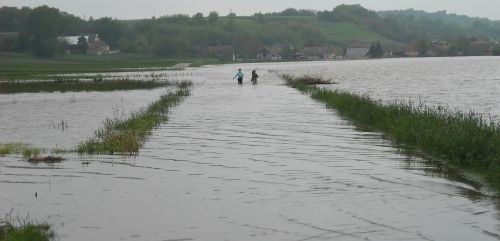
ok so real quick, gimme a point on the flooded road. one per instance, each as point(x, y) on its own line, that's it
point(251, 162)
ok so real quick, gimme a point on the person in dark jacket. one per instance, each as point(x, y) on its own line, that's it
point(255, 76)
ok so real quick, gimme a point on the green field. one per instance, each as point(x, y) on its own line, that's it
point(19, 66)
point(339, 34)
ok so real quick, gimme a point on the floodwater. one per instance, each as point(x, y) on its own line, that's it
point(265, 162)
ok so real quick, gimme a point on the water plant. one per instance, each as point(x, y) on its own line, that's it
point(462, 139)
point(74, 85)
point(126, 136)
point(19, 148)
point(25, 231)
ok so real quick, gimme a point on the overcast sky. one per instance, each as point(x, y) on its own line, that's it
point(128, 9)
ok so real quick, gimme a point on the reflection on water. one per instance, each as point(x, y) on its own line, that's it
point(255, 162)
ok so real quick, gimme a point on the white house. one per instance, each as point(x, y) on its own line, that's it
point(357, 51)
point(269, 54)
point(96, 46)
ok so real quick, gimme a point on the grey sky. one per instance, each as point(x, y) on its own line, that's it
point(127, 9)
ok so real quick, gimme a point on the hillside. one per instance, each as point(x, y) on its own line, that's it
point(462, 23)
point(215, 36)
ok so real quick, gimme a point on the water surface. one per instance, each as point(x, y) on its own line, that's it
point(266, 162)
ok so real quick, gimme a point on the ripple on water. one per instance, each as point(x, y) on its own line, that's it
point(266, 163)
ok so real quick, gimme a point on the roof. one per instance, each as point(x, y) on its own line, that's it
point(72, 40)
point(357, 45)
point(272, 50)
point(411, 48)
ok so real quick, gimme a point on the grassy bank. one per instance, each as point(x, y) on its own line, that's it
point(127, 136)
point(27, 231)
point(18, 66)
point(76, 86)
point(464, 140)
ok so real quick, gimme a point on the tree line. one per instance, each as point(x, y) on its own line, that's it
point(220, 36)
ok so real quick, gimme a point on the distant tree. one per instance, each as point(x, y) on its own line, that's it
point(198, 18)
point(82, 45)
point(46, 47)
point(326, 16)
point(13, 19)
point(306, 12)
point(287, 52)
point(43, 27)
point(290, 12)
point(496, 51)
point(259, 18)
point(109, 30)
point(230, 24)
point(171, 47)
point(213, 17)
point(376, 50)
point(422, 46)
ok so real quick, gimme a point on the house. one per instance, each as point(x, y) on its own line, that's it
point(269, 54)
point(439, 44)
point(317, 53)
point(411, 50)
point(96, 46)
point(481, 46)
point(357, 51)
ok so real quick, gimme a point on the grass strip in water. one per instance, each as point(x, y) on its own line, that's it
point(463, 139)
point(127, 136)
point(18, 66)
point(19, 148)
point(26, 231)
point(76, 86)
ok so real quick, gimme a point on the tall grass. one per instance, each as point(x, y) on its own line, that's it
point(464, 139)
point(26, 231)
point(19, 148)
point(119, 136)
point(17, 66)
point(77, 86)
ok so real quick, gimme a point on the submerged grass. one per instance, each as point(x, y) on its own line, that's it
point(464, 140)
point(127, 136)
point(19, 148)
point(18, 66)
point(26, 231)
point(77, 86)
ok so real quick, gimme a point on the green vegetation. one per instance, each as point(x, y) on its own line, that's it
point(464, 140)
point(181, 36)
point(19, 66)
point(77, 86)
point(26, 231)
point(127, 136)
point(19, 148)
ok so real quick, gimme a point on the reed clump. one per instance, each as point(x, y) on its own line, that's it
point(19, 148)
point(306, 79)
point(464, 139)
point(126, 136)
point(26, 231)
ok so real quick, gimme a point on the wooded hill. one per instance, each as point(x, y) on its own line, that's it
point(36, 30)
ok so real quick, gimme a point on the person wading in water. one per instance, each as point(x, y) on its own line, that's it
point(255, 76)
point(239, 75)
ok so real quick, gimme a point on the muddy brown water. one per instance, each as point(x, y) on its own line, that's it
point(265, 162)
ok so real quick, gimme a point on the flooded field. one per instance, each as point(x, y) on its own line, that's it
point(255, 162)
